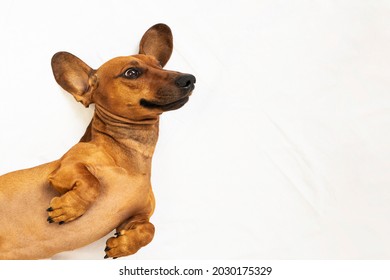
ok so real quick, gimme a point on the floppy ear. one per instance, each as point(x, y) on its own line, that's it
point(74, 76)
point(158, 42)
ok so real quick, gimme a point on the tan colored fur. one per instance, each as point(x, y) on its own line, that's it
point(103, 182)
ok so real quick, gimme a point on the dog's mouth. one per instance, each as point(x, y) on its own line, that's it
point(164, 107)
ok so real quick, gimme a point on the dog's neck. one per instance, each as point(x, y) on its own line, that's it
point(130, 135)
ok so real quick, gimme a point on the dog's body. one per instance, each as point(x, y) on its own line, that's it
point(103, 182)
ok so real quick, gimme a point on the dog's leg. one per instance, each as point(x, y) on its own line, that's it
point(79, 188)
point(130, 237)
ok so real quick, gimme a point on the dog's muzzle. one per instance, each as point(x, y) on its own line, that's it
point(184, 83)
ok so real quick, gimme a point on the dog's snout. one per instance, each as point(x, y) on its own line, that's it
point(185, 81)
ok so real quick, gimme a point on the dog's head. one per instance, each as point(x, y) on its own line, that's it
point(134, 87)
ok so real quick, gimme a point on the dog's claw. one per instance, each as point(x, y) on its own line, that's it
point(106, 257)
point(61, 223)
point(117, 234)
point(107, 249)
point(50, 220)
point(50, 209)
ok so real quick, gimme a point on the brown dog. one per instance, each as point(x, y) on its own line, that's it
point(103, 182)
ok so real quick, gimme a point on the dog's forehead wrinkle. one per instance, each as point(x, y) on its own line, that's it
point(150, 60)
point(134, 63)
point(142, 61)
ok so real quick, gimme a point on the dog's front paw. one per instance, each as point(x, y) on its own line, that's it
point(120, 246)
point(128, 242)
point(66, 208)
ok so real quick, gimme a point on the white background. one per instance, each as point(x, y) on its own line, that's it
point(281, 153)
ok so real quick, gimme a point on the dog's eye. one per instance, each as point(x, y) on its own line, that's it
point(132, 73)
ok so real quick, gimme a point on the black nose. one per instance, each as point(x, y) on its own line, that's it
point(185, 81)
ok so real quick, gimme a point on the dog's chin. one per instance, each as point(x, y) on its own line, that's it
point(164, 107)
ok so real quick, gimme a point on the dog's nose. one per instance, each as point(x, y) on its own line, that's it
point(185, 81)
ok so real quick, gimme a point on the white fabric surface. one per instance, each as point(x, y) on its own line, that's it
point(281, 153)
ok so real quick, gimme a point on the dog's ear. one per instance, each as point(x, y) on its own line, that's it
point(74, 76)
point(158, 42)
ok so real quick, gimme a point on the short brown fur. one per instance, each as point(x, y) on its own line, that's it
point(103, 182)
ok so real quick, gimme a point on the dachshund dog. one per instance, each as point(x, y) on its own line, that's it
point(103, 182)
